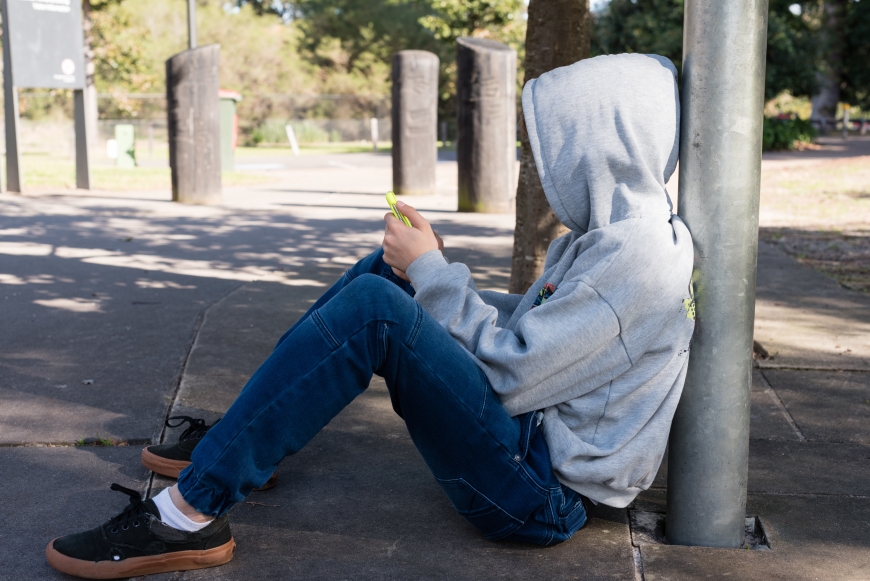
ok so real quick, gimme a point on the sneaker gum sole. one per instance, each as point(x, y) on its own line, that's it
point(172, 468)
point(163, 466)
point(135, 566)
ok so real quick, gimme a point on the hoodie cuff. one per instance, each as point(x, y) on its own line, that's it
point(426, 268)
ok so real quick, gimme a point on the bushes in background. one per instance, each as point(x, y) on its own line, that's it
point(786, 132)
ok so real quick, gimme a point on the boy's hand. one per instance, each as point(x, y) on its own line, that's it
point(403, 245)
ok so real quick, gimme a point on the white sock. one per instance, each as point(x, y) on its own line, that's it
point(171, 516)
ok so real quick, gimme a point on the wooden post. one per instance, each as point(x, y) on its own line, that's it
point(14, 182)
point(192, 84)
point(82, 123)
point(415, 122)
point(486, 145)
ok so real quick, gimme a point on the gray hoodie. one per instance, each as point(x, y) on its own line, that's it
point(600, 342)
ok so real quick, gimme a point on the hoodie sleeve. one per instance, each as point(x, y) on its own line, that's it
point(505, 304)
point(574, 334)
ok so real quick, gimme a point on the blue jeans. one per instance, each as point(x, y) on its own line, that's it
point(494, 468)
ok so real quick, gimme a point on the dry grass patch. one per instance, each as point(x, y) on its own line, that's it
point(818, 211)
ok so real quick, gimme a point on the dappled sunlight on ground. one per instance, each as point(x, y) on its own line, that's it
point(817, 209)
point(793, 333)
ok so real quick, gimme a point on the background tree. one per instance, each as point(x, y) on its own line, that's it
point(557, 35)
point(89, 9)
point(499, 20)
point(656, 26)
point(361, 36)
point(793, 50)
point(364, 31)
point(831, 20)
point(647, 26)
point(856, 55)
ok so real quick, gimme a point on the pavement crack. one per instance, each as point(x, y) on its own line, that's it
point(130, 442)
point(638, 563)
point(812, 494)
point(198, 324)
point(794, 494)
point(777, 401)
point(769, 367)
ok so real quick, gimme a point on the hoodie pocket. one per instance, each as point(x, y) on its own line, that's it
point(485, 515)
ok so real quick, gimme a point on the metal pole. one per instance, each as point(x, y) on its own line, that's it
point(724, 48)
point(10, 97)
point(191, 23)
point(83, 167)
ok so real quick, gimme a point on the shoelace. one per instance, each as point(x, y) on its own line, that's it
point(131, 514)
point(196, 429)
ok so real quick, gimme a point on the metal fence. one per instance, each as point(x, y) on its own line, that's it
point(262, 118)
point(46, 125)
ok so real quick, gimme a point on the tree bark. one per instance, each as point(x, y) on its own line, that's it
point(826, 100)
point(557, 35)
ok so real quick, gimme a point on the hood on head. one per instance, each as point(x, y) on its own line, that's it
point(605, 136)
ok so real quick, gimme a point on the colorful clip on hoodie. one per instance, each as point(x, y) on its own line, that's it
point(600, 342)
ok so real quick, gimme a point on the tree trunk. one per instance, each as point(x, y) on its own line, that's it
point(90, 92)
point(832, 33)
point(557, 35)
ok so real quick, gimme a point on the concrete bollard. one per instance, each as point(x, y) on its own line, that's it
point(415, 119)
point(192, 108)
point(486, 144)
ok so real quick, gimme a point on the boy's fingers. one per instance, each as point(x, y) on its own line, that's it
point(440, 241)
point(417, 221)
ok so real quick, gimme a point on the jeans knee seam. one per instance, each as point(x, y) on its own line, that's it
point(544, 491)
point(550, 530)
point(383, 345)
point(324, 330)
point(486, 389)
point(485, 497)
point(418, 324)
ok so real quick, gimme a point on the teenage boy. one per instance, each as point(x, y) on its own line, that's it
point(521, 405)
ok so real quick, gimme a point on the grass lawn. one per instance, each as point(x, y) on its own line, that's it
point(323, 148)
point(45, 172)
point(313, 149)
point(819, 213)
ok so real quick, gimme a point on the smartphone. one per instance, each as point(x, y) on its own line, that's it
point(391, 200)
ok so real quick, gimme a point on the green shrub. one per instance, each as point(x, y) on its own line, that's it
point(309, 132)
point(786, 132)
point(256, 138)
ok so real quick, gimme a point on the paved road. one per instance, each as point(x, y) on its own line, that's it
point(118, 310)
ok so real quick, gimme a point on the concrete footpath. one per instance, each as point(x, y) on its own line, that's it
point(121, 309)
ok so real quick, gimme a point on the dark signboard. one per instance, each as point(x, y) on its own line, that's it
point(46, 43)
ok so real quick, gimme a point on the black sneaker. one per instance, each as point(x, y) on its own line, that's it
point(170, 459)
point(136, 542)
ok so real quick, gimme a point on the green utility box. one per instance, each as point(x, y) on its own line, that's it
point(125, 135)
point(229, 128)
